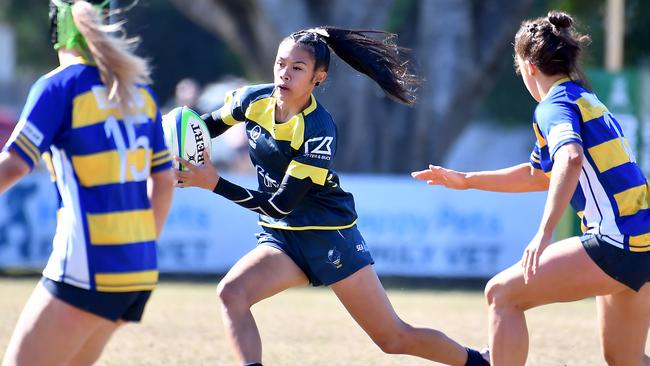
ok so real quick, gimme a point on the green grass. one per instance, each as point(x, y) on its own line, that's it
point(308, 326)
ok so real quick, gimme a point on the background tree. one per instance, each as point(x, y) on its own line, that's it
point(462, 49)
point(457, 45)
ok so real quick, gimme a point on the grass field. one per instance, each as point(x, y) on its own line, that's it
point(308, 326)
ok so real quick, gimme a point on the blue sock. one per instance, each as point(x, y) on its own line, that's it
point(253, 364)
point(474, 358)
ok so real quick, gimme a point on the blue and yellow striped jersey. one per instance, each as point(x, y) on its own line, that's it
point(303, 148)
point(99, 159)
point(613, 196)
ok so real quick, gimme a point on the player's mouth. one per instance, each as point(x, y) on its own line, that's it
point(283, 88)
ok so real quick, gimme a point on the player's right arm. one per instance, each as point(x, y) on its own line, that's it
point(40, 122)
point(12, 168)
point(519, 178)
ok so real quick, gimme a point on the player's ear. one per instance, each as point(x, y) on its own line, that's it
point(320, 76)
point(531, 69)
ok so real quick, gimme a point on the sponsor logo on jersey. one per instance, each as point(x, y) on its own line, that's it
point(266, 178)
point(253, 135)
point(319, 147)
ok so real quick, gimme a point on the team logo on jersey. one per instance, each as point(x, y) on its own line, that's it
point(253, 135)
point(319, 147)
point(334, 258)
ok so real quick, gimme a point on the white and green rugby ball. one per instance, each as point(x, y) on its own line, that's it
point(186, 135)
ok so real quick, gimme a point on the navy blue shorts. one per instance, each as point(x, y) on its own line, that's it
point(629, 268)
point(114, 306)
point(325, 256)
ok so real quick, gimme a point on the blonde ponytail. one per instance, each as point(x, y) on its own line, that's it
point(120, 70)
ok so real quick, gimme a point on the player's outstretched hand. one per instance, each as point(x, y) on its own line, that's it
point(204, 176)
point(439, 176)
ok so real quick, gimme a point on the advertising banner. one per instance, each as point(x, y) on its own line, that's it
point(411, 229)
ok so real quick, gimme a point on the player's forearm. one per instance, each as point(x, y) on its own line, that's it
point(12, 168)
point(518, 178)
point(276, 205)
point(160, 194)
point(567, 167)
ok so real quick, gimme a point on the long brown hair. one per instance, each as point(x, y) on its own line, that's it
point(120, 70)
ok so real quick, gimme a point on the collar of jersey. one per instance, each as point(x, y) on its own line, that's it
point(293, 129)
point(561, 81)
point(262, 112)
point(311, 107)
point(79, 60)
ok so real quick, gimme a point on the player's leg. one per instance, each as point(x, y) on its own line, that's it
point(365, 299)
point(117, 307)
point(37, 339)
point(624, 319)
point(565, 273)
point(263, 272)
point(90, 351)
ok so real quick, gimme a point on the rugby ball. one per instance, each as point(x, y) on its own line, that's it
point(186, 135)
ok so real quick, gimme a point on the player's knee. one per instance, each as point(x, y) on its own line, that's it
point(230, 294)
point(394, 342)
point(497, 294)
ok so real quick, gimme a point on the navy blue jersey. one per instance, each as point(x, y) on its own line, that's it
point(293, 153)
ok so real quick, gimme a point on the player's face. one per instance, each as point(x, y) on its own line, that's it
point(527, 72)
point(294, 74)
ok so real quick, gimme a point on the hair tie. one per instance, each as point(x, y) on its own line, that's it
point(320, 31)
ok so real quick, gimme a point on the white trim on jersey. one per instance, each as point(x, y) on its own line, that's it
point(611, 241)
point(277, 209)
point(69, 260)
point(598, 213)
point(250, 196)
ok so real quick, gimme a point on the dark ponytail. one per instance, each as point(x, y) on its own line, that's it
point(371, 52)
point(553, 45)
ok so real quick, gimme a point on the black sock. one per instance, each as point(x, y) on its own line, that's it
point(253, 364)
point(474, 358)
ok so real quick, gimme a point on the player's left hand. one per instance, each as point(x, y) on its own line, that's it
point(530, 259)
point(204, 176)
